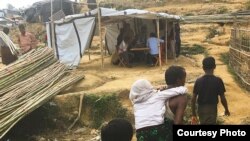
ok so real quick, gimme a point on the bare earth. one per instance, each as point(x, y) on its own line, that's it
point(114, 78)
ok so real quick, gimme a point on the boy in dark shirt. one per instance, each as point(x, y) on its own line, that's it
point(206, 91)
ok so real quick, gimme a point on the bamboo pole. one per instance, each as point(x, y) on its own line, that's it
point(166, 41)
point(79, 112)
point(73, 9)
point(174, 42)
point(100, 34)
point(89, 53)
point(52, 27)
point(158, 36)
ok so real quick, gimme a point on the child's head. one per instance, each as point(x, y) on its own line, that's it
point(22, 28)
point(208, 64)
point(141, 90)
point(152, 34)
point(175, 76)
point(117, 130)
point(6, 30)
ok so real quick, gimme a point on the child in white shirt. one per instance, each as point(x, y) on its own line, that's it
point(149, 109)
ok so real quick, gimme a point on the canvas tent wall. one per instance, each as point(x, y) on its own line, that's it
point(2, 14)
point(69, 38)
point(73, 36)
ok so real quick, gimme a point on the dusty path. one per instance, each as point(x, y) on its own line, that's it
point(114, 78)
point(238, 98)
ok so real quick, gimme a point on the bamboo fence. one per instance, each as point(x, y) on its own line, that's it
point(240, 17)
point(39, 77)
point(131, 3)
point(239, 54)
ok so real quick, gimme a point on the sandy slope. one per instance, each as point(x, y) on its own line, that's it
point(236, 96)
point(238, 99)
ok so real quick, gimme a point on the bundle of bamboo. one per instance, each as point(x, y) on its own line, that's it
point(26, 66)
point(31, 81)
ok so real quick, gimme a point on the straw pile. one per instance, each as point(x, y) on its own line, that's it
point(30, 82)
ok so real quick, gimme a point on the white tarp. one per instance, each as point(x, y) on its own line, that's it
point(112, 32)
point(136, 13)
point(72, 38)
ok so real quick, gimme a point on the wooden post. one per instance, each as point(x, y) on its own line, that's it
point(61, 5)
point(89, 53)
point(73, 9)
point(174, 42)
point(52, 28)
point(166, 41)
point(100, 33)
point(158, 36)
point(235, 30)
point(105, 48)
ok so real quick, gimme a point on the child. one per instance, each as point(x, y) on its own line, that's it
point(117, 130)
point(149, 109)
point(175, 106)
point(207, 88)
point(153, 43)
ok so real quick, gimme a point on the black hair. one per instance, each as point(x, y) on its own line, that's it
point(208, 63)
point(117, 130)
point(174, 73)
point(6, 30)
point(21, 26)
point(152, 34)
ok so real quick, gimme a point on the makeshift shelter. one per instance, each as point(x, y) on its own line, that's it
point(2, 13)
point(72, 39)
point(41, 11)
point(6, 22)
point(10, 13)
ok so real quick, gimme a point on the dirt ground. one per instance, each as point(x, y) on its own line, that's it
point(113, 78)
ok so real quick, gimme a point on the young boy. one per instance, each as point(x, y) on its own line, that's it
point(175, 106)
point(117, 130)
point(207, 88)
point(149, 109)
